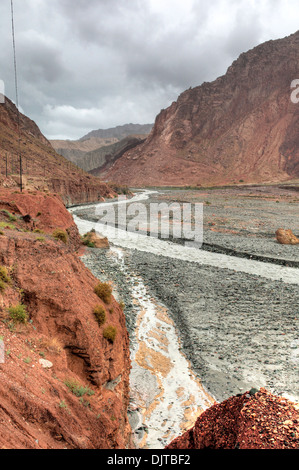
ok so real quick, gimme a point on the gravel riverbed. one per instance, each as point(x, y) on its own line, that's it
point(238, 329)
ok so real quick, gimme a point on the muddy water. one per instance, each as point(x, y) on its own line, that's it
point(166, 396)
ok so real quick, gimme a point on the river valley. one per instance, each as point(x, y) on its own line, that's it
point(203, 324)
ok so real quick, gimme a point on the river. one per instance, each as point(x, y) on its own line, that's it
point(166, 394)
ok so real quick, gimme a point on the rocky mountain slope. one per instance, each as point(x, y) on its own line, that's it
point(242, 127)
point(118, 132)
point(97, 161)
point(98, 149)
point(42, 167)
point(63, 383)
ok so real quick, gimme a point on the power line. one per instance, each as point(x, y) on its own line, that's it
point(16, 90)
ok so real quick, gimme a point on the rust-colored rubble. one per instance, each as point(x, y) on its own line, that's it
point(255, 420)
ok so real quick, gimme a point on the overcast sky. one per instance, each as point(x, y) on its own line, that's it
point(90, 64)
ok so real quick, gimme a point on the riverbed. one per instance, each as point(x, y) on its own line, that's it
point(203, 324)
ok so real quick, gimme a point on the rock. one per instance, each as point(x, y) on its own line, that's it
point(59, 295)
point(48, 171)
point(244, 422)
point(225, 125)
point(253, 391)
point(95, 240)
point(45, 364)
point(286, 237)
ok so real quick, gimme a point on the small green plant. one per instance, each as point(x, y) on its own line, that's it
point(88, 243)
point(38, 230)
point(84, 402)
point(4, 276)
point(40, 239)
point(104, 291)
point(78, 389)
point(18, 313)
point(27, 360)
point(7, 225)
point(109, 333)
point(60, 235)
point(86, 239)
point(11, 217)
point(62, 404)
point(100, 314)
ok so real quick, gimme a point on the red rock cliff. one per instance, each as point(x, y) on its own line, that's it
point(81, 400)
point(42, 167)
point(242, 126)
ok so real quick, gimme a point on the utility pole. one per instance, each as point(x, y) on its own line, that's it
point(21, 174)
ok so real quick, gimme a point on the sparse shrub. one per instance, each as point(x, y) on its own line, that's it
point(60, 235)
point(2, 286)
point(18, 313)
point(78, 389)
point(110, 333)
point(88, 243)
point(38, 230)
point(122, 304)
point(4, 278)
point(40, 239)
point(38, 214)
point(7, 225)
point(84, 402)
point(104, 291)
point(1, 233)
point(11, 217)
point(4, 274)
point(100, 314)
point(52, 345)
point(87, 240)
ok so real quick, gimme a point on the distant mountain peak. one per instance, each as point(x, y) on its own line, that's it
point(119, 132)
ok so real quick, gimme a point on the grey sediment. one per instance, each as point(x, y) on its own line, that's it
point(238, 330)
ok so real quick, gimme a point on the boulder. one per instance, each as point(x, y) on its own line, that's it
point(94, 240)
point(286, 237)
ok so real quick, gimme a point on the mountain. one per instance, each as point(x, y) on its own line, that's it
point(96, 149)
point(119, 132)
point(42, 168)
point(242, 127)
point(96, 161)
point(73, 150)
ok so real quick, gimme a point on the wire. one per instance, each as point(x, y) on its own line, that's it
point(16, 88)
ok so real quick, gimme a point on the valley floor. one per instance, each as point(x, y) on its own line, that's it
point(238, 322)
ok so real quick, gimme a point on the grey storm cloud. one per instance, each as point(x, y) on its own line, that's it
point(84, 65)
